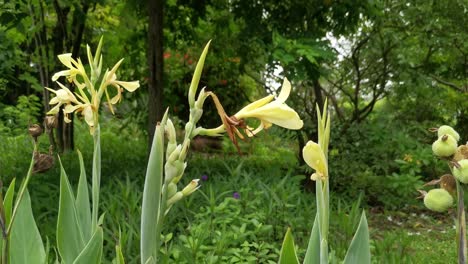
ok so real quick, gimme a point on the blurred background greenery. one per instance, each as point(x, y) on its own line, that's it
point(390, 70)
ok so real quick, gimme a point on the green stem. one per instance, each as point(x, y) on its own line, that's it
point(160, 221)
point(96, 181)
point(461, 225)
point(23, 188)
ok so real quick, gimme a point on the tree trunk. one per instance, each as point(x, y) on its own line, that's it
point(155, 65)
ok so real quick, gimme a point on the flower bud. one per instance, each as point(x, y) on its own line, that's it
point(201, 99)
point(175, 198)
point(461, 171)
point(171, 189)
point(195, 114)
point(191, 187)
point(173, 169)
point(170, 131)
point(189, 127)
point(35, 131)
point(448, 130)
point(438, 200)
point(445, 146)
point(174, 155)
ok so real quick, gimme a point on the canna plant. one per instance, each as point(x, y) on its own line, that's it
point(451, 185)
point(167, 162)
point(316, 156)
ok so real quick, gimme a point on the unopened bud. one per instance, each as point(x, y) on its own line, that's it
point(195, 114)
point(173, 169)
point(438, 200)
point(174, 155)
point(445, 146)
point(201, 99)
point(189, 127)
point(191, 187)
point(175, 198)
point(461, 171)
point(171, 189)
point(448, 130)
point(170, 131)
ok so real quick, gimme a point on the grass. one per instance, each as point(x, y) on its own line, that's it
point(211, 226)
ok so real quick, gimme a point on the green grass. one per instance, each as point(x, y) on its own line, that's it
point(211, 226)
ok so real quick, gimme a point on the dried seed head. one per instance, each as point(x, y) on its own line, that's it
point(43, 162)
point(462, 153)
point(35, 131)
point(447, 182)
point(438, 200)
point(50, 122)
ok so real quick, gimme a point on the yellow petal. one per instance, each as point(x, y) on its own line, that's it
point(129, 86)
point(314, 157)
point(66, 59)
point(278, 114)
point(285, 90)
point(59, 74)
point(88, 115)
point(252, 106)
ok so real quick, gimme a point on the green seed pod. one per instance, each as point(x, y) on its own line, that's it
point(438, 200)
point(445, 146)
point(448, 130)
point(461, 172)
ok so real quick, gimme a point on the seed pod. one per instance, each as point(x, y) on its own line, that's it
point(448, 130)
point(43, 161)
point(445, 146)
point(461, 171)
point(35, 131)
point(462, 153)
point(438, 200)
point(50, 122)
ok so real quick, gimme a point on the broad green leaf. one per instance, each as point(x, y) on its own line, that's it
point(25, 241)
point(288, 252)
point(92, 253)
point(313, 248)
point(359, 250)
point(152, 196)
point(82, 202)
point(70, 241)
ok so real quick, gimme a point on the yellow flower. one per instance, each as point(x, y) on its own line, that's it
point(315, 158)
point(63, 97)
point(87, 101)
point(74, 68)
point(270, 111)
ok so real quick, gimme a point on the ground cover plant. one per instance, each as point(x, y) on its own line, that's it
point(75, 185)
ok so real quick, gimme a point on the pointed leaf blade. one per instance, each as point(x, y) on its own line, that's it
point(26, 245)
point(288, 252)
point(359, 250)
point(313, 248)
point(92, 252)
point(82, 202)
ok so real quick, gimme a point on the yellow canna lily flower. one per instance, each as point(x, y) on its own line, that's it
point(270, 111)
point(74, 68)
point(87, 102)
point(315, 158)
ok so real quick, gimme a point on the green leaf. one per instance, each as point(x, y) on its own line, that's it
point(82, 202)
point(152, 196)
point(288, 252)
point(96, 177)
point(25, 241)
point(70, 241)
point(8, 201)
point(92, 253)
point(313, 248)
point(359, 250)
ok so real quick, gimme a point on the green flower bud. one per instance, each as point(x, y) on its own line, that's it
point(171, 189)
point(448, 130)
point(461, 172)
point(173, 169)
point(445, 146)
point(438, 200)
